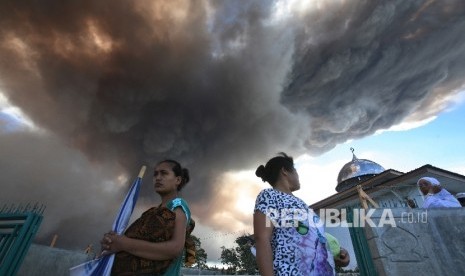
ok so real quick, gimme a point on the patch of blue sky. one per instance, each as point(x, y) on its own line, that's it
point(439, 143)
point(10, 123)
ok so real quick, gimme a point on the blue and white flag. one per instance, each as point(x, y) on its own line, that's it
point(102, 266)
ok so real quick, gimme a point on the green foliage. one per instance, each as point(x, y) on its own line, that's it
point(229, 258)
point(240, 259)
point(200, 254)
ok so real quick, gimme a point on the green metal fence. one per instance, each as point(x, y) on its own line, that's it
point(18, 226)
point(360, 244)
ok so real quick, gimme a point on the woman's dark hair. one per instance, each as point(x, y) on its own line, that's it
point(270, 171)
point(178, 171)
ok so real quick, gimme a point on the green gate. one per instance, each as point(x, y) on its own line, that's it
point(18, 226)
point(360, 244)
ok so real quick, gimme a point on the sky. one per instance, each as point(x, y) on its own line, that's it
point(91, 91)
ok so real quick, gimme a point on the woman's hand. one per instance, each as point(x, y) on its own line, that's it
point(111, 243)
point(343, 259)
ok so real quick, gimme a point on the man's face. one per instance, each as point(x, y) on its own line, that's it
point(424, 186)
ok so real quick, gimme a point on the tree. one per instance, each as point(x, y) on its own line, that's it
point(229, 258)
point(200, 254)
point(248, 264)
point(240, 259)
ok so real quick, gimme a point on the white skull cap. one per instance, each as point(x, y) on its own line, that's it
point(433, 181)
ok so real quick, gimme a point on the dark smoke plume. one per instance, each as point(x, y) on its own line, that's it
point(218, 85)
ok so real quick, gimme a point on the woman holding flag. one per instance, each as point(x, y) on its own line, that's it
point(154, 244)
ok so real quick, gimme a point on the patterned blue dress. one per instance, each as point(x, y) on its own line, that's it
point(298, 242)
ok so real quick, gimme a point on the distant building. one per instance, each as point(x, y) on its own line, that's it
point(397, 192)
point(389, 188)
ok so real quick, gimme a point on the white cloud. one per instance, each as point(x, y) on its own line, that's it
point(418, 119)
point(318, 180)
point(15, 115)
point(407, 125)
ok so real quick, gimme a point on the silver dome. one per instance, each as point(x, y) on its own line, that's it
point(356, 171)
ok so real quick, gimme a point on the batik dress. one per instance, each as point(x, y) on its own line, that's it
point(155, 225)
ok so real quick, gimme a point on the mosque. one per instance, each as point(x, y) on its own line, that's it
point(408, 242)
point(390, 188)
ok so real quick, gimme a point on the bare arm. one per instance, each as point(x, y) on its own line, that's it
point(167, 250)
point(262, 235)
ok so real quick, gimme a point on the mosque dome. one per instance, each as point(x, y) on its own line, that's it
point(355, 172)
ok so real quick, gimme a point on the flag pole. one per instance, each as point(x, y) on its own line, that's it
point(142, 171)
point(102, 266)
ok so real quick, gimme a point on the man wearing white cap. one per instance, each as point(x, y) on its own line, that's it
point(435, 195)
